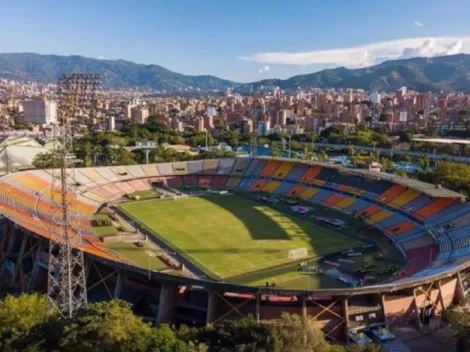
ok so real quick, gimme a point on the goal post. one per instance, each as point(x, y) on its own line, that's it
point(298, 253)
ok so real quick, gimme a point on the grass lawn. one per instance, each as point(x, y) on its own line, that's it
point(230, 235)
point(143, 257)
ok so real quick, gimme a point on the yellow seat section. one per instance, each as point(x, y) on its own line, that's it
point(271, 186)
point(32, 182)
point(308, 193)
point(344, 203)
point(283, 170)
point(318, 182)
point(381, 215)
point(404, 198)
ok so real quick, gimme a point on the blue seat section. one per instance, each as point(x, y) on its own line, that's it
point(321, 195)
point(460, 237)
point(359, 205)
point(297, 171)
point(195, 167)
point(393, 220)
point(328, 175)
point(461, 252)
point(331, 185)
point(259, 167)
point(416, 204)
point(246, 183)
point(251, 168)
point(412, 235)
point(284, 188)
point(444, 242)
point(225, 166)
point(443, 256)
point(448, 214)
point(462, 220)
point(376, 186)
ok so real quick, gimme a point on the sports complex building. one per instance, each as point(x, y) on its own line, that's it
point(223, 239)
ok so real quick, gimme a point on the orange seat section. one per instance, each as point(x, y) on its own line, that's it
point(330, 201)
point(309, 175)
point(296, 191)
point(391, 193)
point(402, 228)
point(258, 185)
point(270, 167)
point(434, 207)
point(344, 188)
point(369, 211)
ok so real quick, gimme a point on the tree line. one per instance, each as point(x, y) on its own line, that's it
point(26, 324)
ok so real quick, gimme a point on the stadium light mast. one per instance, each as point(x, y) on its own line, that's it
point(66, 288)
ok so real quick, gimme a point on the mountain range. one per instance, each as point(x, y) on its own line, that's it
point(450, 73)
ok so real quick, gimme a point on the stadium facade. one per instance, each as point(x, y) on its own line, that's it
point(429, 225)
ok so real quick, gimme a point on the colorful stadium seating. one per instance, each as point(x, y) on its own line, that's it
point(425, 228)
point(283, 170)
point(270, 167)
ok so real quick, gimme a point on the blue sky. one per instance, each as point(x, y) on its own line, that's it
point(242, 40)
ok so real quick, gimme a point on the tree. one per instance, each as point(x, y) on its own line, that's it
point(385, 162)
point(45, 161)
point(431, 129)
point(322, 156)
point(21, 321)
point(424, 164)
point(459, 320)
point(111, 326)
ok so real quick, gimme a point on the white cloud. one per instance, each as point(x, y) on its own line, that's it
point(368, 55)
point(100, 58)
point(418, 24)
point(264, 69)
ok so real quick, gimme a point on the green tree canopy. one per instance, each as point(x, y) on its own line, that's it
point(112, 326)
point(21, 321)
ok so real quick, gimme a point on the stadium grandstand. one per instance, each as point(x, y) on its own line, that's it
point(428, 225)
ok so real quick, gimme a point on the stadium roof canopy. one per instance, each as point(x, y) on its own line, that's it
point(18, 153)
point(443, 140)
point(429, 189)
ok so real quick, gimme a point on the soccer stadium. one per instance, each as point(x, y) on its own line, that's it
point(204, 241)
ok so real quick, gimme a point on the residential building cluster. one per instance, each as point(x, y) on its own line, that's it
point(270, 110)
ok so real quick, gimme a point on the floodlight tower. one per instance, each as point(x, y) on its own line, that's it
point(66, 289)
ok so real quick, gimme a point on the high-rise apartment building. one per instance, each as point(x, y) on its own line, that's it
point(247, 126)
point(199, 124)
point(40, 112)
point(264, 128)
point(140, 114)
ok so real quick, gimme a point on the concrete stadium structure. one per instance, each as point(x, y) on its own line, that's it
point(429, 225)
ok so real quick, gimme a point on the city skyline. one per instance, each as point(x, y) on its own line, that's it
point(237, 41)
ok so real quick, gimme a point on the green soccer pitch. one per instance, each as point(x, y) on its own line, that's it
point(231, 235)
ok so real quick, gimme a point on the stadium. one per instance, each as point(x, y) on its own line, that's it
point(199, 242)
